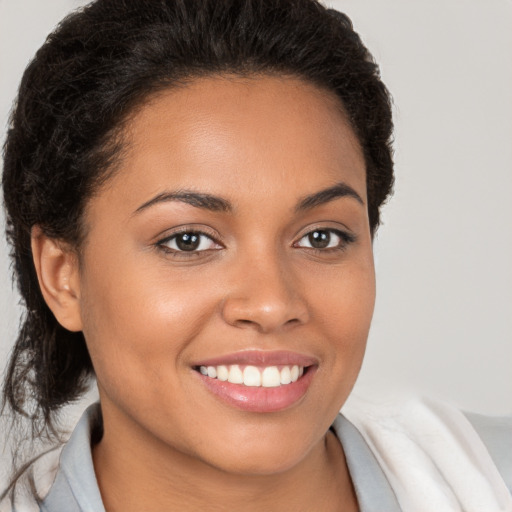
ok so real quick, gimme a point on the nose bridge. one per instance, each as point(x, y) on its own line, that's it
point(265, 294)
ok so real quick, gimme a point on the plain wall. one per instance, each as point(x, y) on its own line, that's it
point(443, 320)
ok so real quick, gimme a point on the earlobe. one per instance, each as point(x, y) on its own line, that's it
point(59, 279)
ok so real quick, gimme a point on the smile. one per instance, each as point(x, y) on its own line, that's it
point(258, 381)
point(254, 376)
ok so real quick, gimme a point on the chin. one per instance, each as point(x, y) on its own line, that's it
point(261, 463)
point(262, 452)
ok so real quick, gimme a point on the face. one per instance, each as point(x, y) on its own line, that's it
point(227, 280)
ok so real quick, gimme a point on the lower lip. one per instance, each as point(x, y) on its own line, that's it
point(260, 399)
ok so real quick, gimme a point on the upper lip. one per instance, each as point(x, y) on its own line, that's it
point(260, 358)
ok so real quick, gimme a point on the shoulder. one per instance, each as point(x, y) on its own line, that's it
point(75, 488)
point(31, 483)
point(432, 451)
point(496, 433)
point(62, 478)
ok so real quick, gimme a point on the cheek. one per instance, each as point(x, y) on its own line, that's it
point(345, 306)
point(347, 296)
point(137, 324)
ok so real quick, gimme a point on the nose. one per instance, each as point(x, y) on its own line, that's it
point(265, 297)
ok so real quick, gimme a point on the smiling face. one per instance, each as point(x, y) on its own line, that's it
point(233, 241)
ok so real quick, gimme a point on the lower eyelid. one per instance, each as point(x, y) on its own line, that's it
point(345, 238)
point(172, 238)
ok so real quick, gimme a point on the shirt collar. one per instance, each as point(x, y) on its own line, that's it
point(76, 482)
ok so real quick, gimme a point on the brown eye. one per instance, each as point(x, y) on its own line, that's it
point(188, 241)
point(319, 239)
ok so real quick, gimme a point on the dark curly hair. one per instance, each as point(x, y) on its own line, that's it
point(65, 133)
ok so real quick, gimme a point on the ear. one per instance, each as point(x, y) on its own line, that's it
point(59, 278)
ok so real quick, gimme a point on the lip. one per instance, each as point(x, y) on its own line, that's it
point(260, 399)
point(260, 358)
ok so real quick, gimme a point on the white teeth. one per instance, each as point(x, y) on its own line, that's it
point(286, 376)
point(235, 375)
point(268, 377)
point(222, 373)
point(252, 376)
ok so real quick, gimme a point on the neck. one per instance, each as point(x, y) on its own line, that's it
point(136, 473)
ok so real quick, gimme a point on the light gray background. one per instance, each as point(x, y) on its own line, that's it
point(443, 322)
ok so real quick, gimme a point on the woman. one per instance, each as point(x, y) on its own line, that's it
point(192, 189)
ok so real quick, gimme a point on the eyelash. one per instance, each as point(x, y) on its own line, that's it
point(177, 253)
point(345, 239)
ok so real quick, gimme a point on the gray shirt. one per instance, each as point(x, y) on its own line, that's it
point(75, 488)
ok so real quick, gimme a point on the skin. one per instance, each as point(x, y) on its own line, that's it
point(147, 313)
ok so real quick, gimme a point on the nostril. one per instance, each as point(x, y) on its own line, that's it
point(265, 324)
point(264, 313)
point(242, 322)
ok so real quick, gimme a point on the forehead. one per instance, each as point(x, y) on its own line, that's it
point(226, 135)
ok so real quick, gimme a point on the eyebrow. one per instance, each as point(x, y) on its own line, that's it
point(328, 194)
point(197, 199)
point(219, 204)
